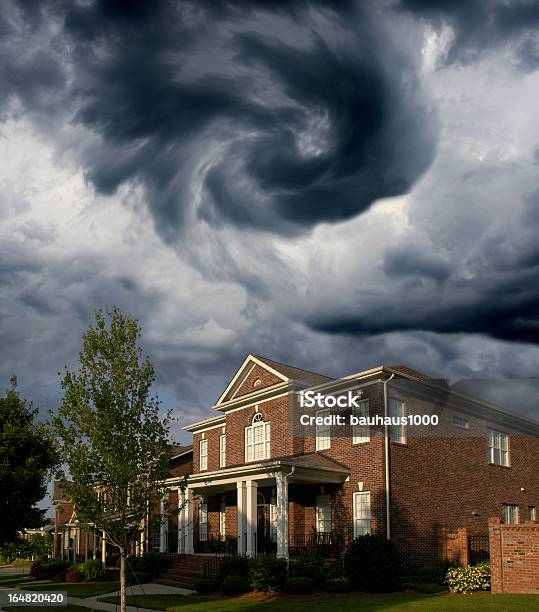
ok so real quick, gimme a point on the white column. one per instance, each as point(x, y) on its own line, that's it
point(62, 538)
point(189, 548)
point(242, 523)
point(181, 521)
point(94, 543)
point(103, 549)
point(86, 543)
point(282, 516)
point(251, 491)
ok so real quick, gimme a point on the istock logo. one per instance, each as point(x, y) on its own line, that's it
point(310, 399)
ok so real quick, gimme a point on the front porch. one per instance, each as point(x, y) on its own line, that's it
point(284, 507)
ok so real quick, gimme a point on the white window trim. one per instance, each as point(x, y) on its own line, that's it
point(363, 495)
point(403, 428)
point(203, 456)
point(250, 432)
point(222, 450)
point(494, 436)
point(323, 440)
point(363, 410)
point(507, 507)
point(323, 513)
point(532, 513)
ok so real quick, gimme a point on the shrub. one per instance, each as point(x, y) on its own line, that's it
point(299, 584)
point(310, 565)
point(205, 586)
point(337, 585)
point(372, 564)
point(73, 575)
point(235, 585)
point(44, 570)
point(93, 570)
point(433, 572)
point(153, 563)
point(469, 578)
point(268, 573)
point(236, 565)
point(150, 563)
point(138, 577)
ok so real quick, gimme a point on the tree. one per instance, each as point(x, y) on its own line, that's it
point(27, 457)
point(112, 435)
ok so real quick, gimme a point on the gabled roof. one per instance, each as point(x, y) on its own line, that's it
point(293, 373)
point(281, 372)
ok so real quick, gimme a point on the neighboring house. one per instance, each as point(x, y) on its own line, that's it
point(263, 485)
point(78, 541)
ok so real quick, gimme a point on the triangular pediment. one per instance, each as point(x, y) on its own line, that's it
point(253, 375)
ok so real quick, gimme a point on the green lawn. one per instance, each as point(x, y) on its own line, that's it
point(331, 602)
point(12, 576)
point(15, 581)
point(79, 589)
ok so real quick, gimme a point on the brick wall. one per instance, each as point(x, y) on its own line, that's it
point(514, 557)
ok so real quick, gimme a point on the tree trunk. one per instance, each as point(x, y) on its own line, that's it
point(122, 580)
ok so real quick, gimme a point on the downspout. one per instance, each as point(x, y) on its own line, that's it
point(386, 449)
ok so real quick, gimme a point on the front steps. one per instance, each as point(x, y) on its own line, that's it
point(184, 571)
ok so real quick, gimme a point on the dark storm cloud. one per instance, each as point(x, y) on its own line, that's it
point(479, 25)
point(30, 70)
point(405, 261)
point(275, 116)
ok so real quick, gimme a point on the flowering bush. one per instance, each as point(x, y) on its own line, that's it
point(469, 578)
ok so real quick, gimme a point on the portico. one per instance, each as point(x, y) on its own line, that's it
point(251, 487)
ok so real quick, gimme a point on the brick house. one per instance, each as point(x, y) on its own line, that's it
point(261, 483)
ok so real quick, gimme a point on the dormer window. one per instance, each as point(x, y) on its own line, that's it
point(257, 439)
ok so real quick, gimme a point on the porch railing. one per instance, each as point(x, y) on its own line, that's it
point(214, 542)
point(326, 544)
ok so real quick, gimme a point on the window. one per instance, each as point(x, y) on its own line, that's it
point(460, 422)
point(257, 439)
point(510, 514)
point(203, 523)
point(203, 454)
point(156, 541)
point(323, 432)
point(498, 447)
point(362, 514)
point(360, 433)
point(222, 520)
point(222, 450)
point(397, 432)
point(323, 513)
point(532, 513)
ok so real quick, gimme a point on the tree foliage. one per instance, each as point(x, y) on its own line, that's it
point(27, 456)
point(112, 434)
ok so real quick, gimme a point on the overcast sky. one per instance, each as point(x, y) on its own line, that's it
point(332, 188)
